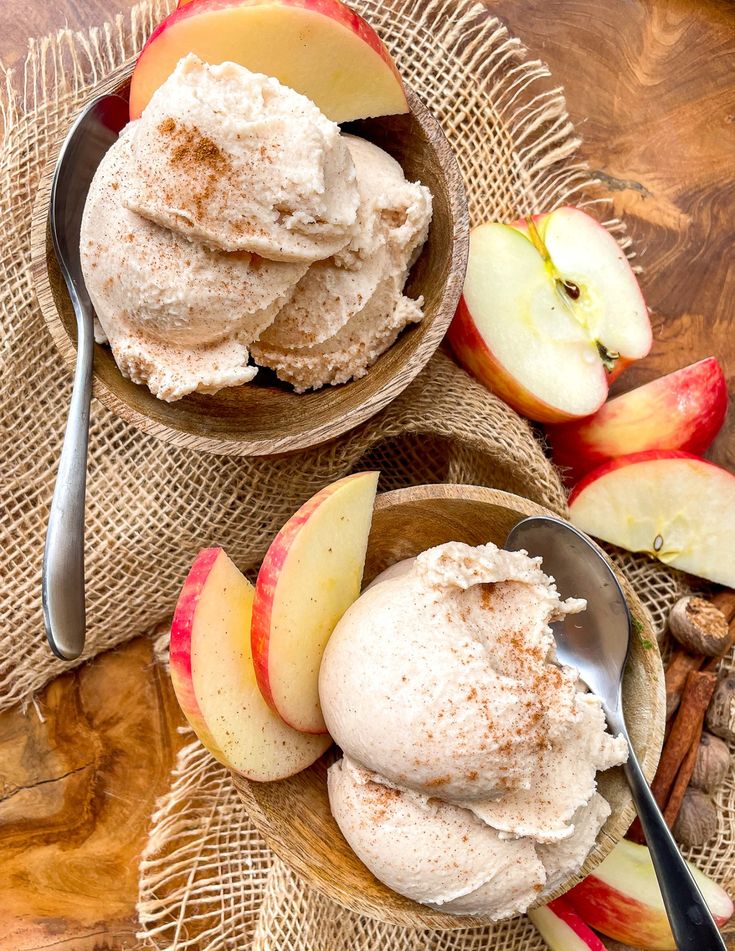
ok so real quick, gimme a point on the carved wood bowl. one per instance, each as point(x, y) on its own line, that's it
point(293, 814)
point(266, 417)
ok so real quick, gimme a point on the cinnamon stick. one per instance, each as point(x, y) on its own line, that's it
point(725, 601)
point(681, 782)
point(679, 668)
point(687, 726)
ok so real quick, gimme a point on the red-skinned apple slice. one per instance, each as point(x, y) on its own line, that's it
point(669, 504)
point(310, 575)
point(682, 410)
point(547, 312)
point(562, 929)
point(214, 680)
point(621, 898)
point(320, 48)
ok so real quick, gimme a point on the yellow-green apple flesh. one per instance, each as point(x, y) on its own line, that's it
point(310, 575)
point(621, 898)
point(562, 929)
point(682, 410)
point(214, 679)
point(669, 504)
point(320, 48)
point(548, 314)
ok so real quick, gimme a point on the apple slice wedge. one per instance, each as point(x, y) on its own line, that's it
point(621, 898)
point(671, 505)
point(320, 48)
point(214, 680)
point(562, 929)
point(682, 410)
point(550, 309)
point(310, 575)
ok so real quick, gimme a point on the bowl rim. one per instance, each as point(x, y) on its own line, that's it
point(649, 660)
point(320, 433)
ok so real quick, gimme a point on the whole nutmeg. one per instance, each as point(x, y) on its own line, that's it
point(699, 626)
point(721, 711)
point(712, 763)
point(697, 819)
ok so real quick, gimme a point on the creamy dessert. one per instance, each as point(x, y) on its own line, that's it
point(470, 754)
point(234, 219)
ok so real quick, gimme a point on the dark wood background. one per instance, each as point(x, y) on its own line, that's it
point(650, 86)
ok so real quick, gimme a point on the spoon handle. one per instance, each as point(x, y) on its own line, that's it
point(63, 557)
point(692, 924)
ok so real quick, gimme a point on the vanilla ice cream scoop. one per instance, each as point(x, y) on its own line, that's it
point(178, 315)
point(441, 685)
point(349, 309)
point(240, 162)
point(432, 851)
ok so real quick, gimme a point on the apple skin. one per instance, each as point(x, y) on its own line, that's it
point(180, 647)
point(477, 358)
point(562, 928)
point(683, 410)
point(621, 898)
point(333, 9)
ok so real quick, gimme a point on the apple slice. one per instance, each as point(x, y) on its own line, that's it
point(562, 928)
point(549, 308)
point(310, 575)
point(669, 504)
point(214, 680)
point(682, 410)
point(621, 898)
point(320, 48)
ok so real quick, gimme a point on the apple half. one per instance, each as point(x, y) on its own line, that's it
point(214, 679)
point(551, 311)
point(562, 929)
point(682, 410)
point(310, 575)
point(669, 504)
point(621, 898)
point(320, 48)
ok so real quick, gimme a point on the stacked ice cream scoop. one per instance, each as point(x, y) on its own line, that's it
point(232, 218)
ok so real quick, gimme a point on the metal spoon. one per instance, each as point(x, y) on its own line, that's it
point(63, 559)
point(596, 643)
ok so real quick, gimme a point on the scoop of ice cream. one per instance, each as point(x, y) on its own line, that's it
point(348, 310)
point(432, 851)
point(243, 163)
point(178, 316)
point(443, 680)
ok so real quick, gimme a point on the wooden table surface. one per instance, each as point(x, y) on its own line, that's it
point(650, 86)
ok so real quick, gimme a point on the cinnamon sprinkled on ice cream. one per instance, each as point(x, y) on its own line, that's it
point(228, 221)
point(441, 682)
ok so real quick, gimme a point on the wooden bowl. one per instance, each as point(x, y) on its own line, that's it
point(266, 417)
point(293, 815)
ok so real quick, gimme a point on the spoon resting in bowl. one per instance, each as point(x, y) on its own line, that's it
point(63, 559)
point(596, 643)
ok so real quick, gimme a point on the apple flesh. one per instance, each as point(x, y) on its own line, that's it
point(621, 898)
point(549, 309)
point(310, 575)
point(562, 929)
point(320, 48)
point(214, 679)
point(682, 410)
point(669, 504)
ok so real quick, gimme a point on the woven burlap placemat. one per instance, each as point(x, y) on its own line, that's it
point(207, 880)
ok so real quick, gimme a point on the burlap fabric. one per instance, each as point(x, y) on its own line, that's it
point(207, 880)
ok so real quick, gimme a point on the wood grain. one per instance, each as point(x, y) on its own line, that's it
point(266, 417)
point(76, 794)
point(293, 815)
